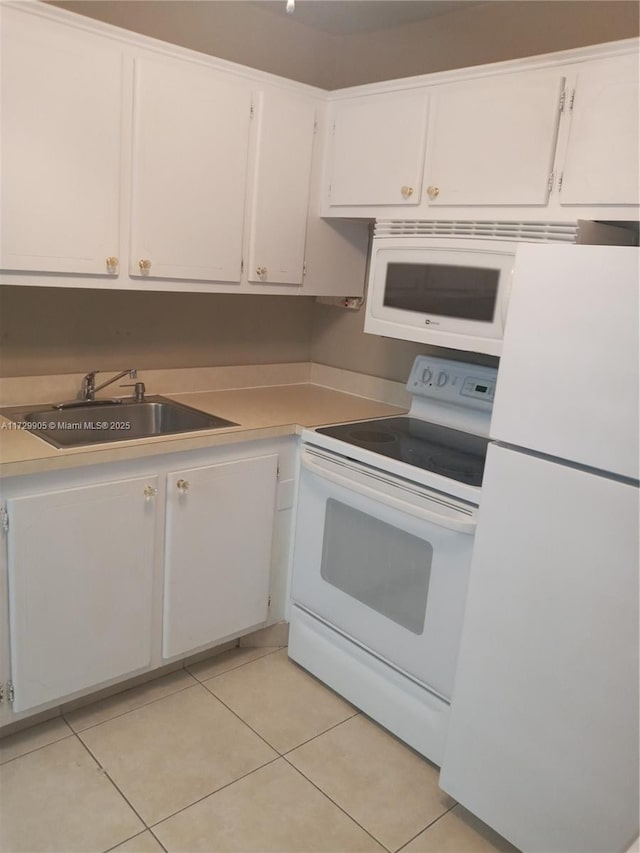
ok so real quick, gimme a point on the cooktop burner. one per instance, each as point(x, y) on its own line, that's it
point(450, 452)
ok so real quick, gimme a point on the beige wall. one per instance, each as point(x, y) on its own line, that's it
point(49, 330)
point(242, 32)
point(338, 340)
point(237, 31)
point(490, 32)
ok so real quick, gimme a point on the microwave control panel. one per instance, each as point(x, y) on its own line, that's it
point(458, 382)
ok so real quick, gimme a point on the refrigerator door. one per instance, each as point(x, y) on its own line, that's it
point(568, 378)
point(543, 733)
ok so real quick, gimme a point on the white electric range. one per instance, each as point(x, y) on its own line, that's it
point(384, 530)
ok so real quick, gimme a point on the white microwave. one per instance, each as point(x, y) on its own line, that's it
point(441, 291)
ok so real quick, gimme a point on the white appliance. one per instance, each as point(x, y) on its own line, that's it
point(384, 531)
point(543, 735)
point(447, 283)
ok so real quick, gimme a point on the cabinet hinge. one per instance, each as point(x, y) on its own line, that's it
point(269, 602)
point(4, 519)
point(1, 693)
point(563, 100)
point(241, 265)
point(572, 99)
point(560, 181)
point(251, 111)
point(315, 126)
point(304, 269)
point(11, 694)
point(333, 130)
point(551, 180)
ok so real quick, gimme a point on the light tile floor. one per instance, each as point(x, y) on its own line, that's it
point(242, 752)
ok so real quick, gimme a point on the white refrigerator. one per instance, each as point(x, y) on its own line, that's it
point(543, 734)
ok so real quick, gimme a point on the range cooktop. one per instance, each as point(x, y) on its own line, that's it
point(442, 450)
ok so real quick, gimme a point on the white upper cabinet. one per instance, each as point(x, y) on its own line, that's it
point(492, 142)
point(280, 198)
point(61, 144)
point(190, 151)
point(377, 155)
point(601, 161)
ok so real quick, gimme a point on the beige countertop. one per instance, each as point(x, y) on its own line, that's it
point(265, 412)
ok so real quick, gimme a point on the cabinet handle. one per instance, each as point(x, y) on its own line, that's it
point(144, 264)
point(112, 264)
point(150, 492)
point(261, 271)
point(433, 192)
point(407, 192)
point(183, 486)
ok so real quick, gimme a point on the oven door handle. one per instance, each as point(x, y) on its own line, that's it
point(459, 525)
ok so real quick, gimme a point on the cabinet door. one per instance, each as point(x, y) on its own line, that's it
point(218, 551)
point(378, 149)
point(493, 142)
point(281, 190)
point(80, 587)
point(61, 138)
point(191, 137)
point(601, 164)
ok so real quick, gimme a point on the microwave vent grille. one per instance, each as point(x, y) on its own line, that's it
point(537, 232)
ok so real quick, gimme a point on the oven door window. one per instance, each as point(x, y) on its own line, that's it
point(360, 556)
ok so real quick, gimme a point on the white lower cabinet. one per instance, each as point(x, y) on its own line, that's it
point(80, 564)
point(108, 571)
point(218, 551)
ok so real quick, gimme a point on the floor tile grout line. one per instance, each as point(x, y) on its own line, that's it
point(234, 668)
point(275, 749)
point(131, 838)
point(428, 826)
point(211, 793)
point(63, 714)
point(130, 710)
point(108, 775)
point(337, 805)
point(324, 732)
point(238, 717)
point(36, 748)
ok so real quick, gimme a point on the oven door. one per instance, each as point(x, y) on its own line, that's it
point(385, 562)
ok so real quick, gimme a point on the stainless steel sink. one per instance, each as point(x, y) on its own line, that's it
point(103, 421)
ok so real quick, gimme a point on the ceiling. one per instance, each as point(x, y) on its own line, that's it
point(350, 17)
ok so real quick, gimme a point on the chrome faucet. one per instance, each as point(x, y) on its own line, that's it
point(89, 387)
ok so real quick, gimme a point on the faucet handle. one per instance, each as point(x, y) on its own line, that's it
point(89, 385)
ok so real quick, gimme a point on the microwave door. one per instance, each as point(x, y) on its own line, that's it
point(440, 296)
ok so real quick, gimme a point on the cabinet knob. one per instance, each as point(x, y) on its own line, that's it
point(144, 264)
point(183, 486)
point(433, 192)
point(150, 492)
point(261, 271)
point(407, 192)
point(112, 264)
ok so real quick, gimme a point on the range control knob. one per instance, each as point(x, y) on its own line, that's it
point(427, 375)
point(442, 380)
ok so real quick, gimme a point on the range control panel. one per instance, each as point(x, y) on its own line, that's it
point(469, 385)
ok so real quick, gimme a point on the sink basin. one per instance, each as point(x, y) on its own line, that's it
point(105, 421)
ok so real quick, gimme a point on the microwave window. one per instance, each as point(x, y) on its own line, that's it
point(448, 291)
